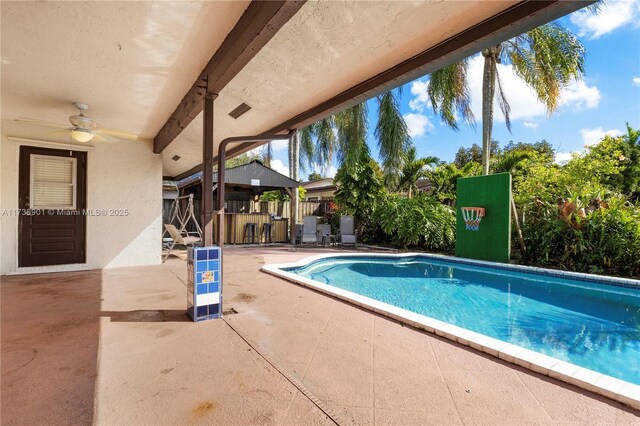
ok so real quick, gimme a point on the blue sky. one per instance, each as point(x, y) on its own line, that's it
point(607, 97)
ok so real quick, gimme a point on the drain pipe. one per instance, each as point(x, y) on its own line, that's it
point(222, 156)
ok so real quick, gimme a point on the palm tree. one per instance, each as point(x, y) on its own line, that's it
point(444, 180)
point(507, 161)
point(547, 59)
point(344, 136)
point(414, 168)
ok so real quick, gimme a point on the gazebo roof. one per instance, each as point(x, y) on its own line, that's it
point(253, 174)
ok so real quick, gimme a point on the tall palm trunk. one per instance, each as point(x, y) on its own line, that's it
point(488, 91)
point(294, 173)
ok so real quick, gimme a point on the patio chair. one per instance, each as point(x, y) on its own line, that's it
point(298, 234)
point(178, 238)
point(347, 232)
point(309, 230)
point(324, 235)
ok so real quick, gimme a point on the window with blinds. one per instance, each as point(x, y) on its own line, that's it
point(53, 182)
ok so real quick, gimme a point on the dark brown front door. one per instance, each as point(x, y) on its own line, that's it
point(52, 202)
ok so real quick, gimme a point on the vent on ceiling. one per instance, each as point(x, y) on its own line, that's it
point(175, 157)
point(240, 109)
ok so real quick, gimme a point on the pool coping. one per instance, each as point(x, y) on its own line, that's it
point(602, 384)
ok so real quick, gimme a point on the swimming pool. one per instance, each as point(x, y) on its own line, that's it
point(585, 321)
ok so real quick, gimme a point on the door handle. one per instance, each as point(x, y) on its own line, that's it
point(27, 205)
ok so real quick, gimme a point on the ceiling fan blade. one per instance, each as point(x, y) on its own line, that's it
point(120, 134)
point(41, 123)
point(104, 138)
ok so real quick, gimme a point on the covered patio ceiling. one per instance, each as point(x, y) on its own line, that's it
point(134, 62)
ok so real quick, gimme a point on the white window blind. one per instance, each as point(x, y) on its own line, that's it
point(53, 182)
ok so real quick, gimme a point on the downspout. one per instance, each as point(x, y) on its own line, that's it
point(222, 156)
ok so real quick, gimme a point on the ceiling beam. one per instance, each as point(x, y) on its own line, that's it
point(517, 19)
point(257, 25)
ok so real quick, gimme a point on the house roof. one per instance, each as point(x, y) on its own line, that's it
point(253, 174)
point(325, 183)
point(134, 62)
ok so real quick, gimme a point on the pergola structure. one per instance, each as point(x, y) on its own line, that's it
point(427, 37)
point(158, 69)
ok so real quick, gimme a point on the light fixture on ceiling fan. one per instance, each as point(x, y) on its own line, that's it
point(83, 129)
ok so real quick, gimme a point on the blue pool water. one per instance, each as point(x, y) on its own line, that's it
point(593, 325)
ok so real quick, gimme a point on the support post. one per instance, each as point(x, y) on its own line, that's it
point(207, 171)
point(222, 157)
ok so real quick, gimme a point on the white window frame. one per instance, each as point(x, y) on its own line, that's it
point(74, 187)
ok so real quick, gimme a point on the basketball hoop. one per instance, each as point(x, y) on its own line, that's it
point(472, 217)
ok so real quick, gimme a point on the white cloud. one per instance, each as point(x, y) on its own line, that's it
point(611, 16)
point(636, 81)
point(522, 99)
point(579, 96)
point(421, 99)
point(530, 125)
point(279, 167)
point(280, 144)
point(592, 137)
point(418, 124)
point(563, 157)
point(331, 171)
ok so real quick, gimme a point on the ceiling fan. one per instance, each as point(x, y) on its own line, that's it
point(83, 128)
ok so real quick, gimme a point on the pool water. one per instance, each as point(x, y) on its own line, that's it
point(590, 324)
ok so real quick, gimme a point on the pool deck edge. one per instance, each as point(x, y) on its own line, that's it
point(610, 387)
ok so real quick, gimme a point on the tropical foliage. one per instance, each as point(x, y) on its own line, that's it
point(592, 234)
point(420, 221)
point(583, 215)
point(413, 169)
point(360, 187)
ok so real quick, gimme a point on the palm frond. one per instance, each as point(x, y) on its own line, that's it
point(547, 58)
point(449, 93)
point(502, 99)
point(352, 134)
point(392, 135)
point(325, 142)
point(507, 161)
point(307, 148)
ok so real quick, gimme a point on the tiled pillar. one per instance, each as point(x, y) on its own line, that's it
point(204, 299)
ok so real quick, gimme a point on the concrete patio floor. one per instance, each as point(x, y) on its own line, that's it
point(113, 347)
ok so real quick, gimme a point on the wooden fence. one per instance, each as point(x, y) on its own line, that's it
point(283, 208)
point(276, 208)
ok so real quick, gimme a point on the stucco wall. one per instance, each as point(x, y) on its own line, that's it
point(124, 175)
point(321, 194)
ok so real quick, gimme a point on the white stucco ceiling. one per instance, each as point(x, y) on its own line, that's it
point(134, 61)
point(326, 48)
point(131, 61)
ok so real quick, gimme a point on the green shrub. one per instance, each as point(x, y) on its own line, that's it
point(420, 221)
point(604, 240)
